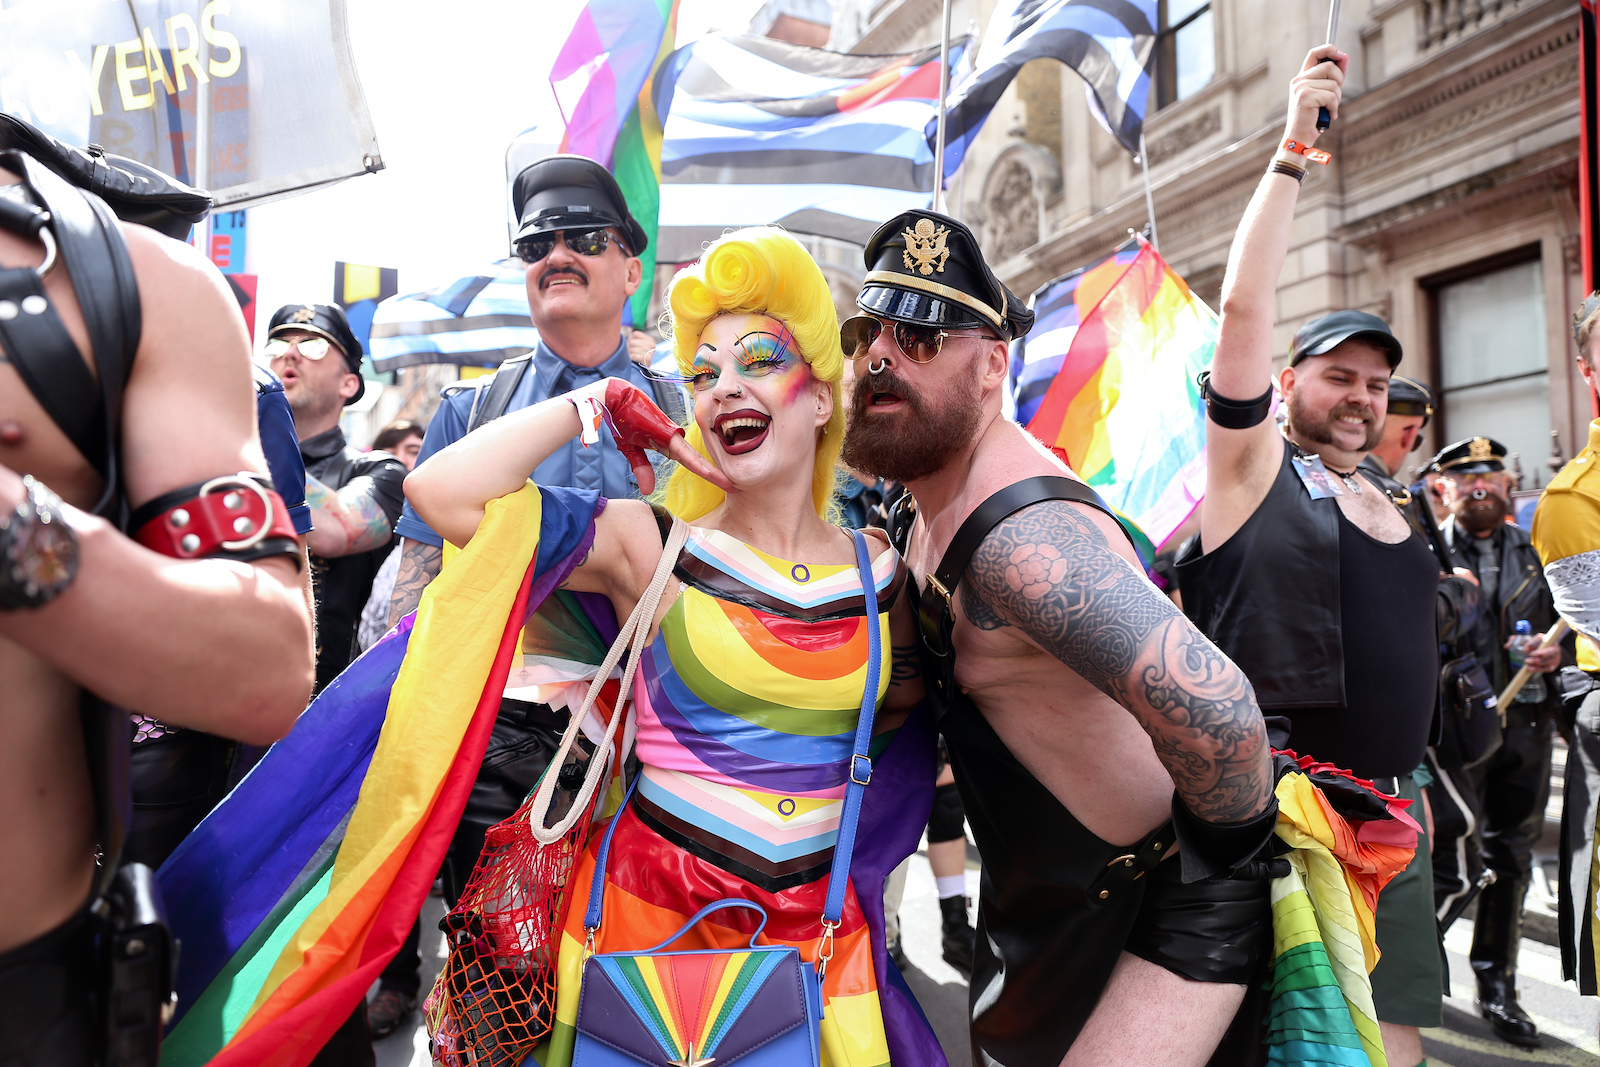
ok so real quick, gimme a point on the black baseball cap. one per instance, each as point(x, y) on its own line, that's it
point(327, 321)
point(1321, 335)
point(926, 268)
point(572, 193)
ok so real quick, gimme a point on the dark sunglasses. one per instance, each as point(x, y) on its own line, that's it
point(584, 242)
point(919, 344)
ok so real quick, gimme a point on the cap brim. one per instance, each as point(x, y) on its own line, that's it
point(921, 309)
point(1480, 466)
point(1389, 344)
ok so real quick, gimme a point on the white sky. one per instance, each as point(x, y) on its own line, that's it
point(448, 87)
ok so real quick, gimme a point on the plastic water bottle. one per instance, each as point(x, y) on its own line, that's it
point(1524, 641)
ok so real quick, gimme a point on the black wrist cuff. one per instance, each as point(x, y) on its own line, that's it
point(1234, 414)
point(1211, 849)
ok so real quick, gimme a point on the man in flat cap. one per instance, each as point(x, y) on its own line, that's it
point(1566, 533)
point(581, 245)
point(1304, 572)
point(355, 496)
point(1041, 635)
point(1491, 814)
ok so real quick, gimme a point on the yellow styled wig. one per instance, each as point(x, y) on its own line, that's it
point(760, 270)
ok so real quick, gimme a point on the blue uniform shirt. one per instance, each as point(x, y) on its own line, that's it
point(601, 466)
point(275, 424)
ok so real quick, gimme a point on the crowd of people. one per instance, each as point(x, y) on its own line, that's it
point(841, 505)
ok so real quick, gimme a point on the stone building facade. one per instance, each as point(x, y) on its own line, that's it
point(1449, 207)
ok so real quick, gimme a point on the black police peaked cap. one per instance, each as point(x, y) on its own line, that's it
point(1410, 397)
point(572, 193)
point(326, 321)
point(1473, 455)
point(926, 268)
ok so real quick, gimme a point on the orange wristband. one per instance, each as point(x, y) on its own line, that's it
point(1315, 155)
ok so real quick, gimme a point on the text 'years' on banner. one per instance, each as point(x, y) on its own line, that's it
point(248, 100)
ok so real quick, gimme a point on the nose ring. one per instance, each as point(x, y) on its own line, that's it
point(878, 367)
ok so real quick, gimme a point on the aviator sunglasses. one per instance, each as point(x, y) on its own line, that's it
point(919, 344)
point(309, 347)
point(584, 242)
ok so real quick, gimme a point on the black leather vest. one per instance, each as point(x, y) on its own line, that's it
point(1269, 597)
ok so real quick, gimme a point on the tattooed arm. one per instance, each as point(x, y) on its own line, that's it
point(1049, 571)
point(420, 564)
point(349, 520)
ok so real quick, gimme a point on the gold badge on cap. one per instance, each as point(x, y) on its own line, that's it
point(303, 315)
point(1479, 450)
point(925, 245)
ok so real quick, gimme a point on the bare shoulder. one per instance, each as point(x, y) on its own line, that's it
point(189, 414)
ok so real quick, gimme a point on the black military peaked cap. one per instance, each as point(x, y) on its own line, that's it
point(926, 268)
point(324, 320)
point(1475, 455)
point(572, 193)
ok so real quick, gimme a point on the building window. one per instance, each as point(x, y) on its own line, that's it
point(1186, 52)
point(1494, 370)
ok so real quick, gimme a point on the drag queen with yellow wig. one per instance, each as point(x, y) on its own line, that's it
point(748, 695)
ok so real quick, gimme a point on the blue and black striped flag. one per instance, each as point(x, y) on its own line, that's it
point(759, 131)
point(1110, 43)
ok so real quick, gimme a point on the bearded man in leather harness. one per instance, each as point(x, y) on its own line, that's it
point(202, 635)
point(1077, 699)
point(1304, 571)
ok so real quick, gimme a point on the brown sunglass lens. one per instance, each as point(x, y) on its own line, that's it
point(919, 343)
point(857, 334)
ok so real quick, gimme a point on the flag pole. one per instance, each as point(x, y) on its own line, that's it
point(1149, 200)
point(944, 90)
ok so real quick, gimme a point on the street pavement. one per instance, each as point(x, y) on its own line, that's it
point(1568, 1021)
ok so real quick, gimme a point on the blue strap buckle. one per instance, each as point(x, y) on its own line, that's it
point(857, 775)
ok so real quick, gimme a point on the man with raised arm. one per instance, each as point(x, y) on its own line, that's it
point(1074, 698)
point(1304, 572)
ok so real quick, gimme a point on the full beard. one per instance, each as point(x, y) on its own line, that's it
point(910, 444)
point(1481, 511)
point(1320, 430)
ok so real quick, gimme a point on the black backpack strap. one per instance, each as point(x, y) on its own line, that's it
point(1008, 501)
point(496, 396)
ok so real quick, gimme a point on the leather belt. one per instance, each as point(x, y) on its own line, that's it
point(1124, 870)
point(1390, 785)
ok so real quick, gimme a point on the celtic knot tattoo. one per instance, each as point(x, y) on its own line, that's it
point(1048, 571)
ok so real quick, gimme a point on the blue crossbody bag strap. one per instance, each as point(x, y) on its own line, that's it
point(860, 770)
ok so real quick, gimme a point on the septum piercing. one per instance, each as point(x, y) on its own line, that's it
point(878, 367)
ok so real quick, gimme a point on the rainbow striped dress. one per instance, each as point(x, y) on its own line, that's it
point(746, 704)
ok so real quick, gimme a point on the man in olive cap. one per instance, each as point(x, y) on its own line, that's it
point(1060, 637)
point(1410, 407)
point(581, 245)
point(1305, 572)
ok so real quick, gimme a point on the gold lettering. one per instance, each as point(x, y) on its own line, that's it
point(91, 77)
point(189, 54)
point(156, 65)
point(127, 74)
point(220, 38)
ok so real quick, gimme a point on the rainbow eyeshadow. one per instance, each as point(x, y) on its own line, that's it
point(764, 346)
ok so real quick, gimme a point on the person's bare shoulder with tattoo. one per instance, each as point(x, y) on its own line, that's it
point(1050, 573)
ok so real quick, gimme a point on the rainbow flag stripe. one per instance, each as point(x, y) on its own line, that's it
point(293, 894)
point(1125, 328)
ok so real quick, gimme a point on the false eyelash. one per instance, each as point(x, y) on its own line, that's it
point(769, 347)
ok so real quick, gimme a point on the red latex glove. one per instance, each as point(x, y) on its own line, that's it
point(637, 424)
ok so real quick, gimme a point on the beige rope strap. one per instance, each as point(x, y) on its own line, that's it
point(632, 637)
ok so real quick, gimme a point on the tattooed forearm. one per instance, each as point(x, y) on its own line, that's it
point(347, 521)
point(419, 564)
point(1049, 571)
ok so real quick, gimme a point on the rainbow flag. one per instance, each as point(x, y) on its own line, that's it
point(1126, 328)
point(293, 894)
point(603, 79)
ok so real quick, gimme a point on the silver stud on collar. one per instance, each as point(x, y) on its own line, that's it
point(35, 304)
point(8, 310)
point(190, 542)
point(242, 525)
point(179, 519)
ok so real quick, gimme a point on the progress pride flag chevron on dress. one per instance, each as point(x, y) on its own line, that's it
point(759, 131)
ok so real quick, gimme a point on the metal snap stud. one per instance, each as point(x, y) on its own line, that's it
point(242, 525)
point(180, 518)
point(134, 947)
point(1104, 893)
point(190, 542)
point(8, 310)
point(231, 501)
point(35, 304)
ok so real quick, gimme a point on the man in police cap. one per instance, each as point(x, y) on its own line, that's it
point(355, 496)
point(581, 245)
point(1059, 636)
point(1410, 407)
point(1491, 814)
point(1304, 571)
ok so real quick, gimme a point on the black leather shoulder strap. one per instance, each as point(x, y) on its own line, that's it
point(497, 394)
point(1006, 502)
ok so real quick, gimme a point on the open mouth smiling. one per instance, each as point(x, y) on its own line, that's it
point(741, 431)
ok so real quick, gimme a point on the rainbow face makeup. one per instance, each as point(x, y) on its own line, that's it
point(757, 353)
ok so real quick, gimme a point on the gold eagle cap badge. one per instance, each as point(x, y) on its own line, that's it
point(926, 246)
point(1480, 450)
point(304, 314)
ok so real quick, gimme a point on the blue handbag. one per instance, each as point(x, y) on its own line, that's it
point(757, 1006)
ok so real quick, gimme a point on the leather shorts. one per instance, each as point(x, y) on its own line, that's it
point(47, 1016)
point(1215, 930)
